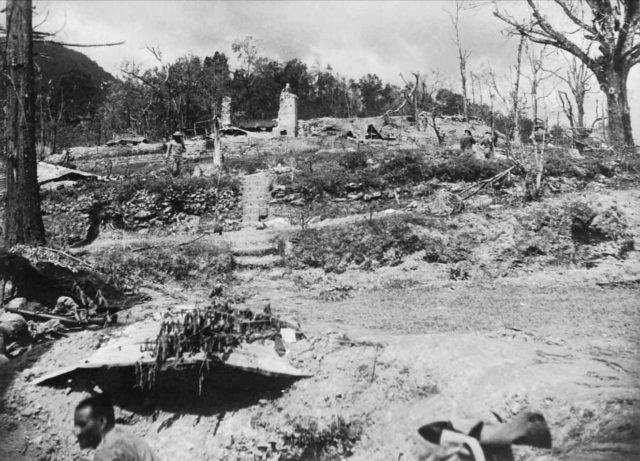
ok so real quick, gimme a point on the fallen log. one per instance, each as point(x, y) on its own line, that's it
point(100, 321)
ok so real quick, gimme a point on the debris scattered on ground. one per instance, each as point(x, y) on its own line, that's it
point(47, 291)
point(200, 338)
point(454, 440)
point(212, 334)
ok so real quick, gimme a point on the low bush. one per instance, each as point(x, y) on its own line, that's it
point(559, 164)
point(309, 441)
point(384, 241)
point(190, 263)
point(338, 178)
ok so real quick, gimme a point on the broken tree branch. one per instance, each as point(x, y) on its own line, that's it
point(482, 184)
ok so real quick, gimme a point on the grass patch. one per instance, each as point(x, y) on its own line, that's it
point(308, 441)
point(559, 164)
point(334, 176)
point(189, 265)
point(366, 244)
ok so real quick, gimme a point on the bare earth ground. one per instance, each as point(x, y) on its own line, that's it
point(407, 347)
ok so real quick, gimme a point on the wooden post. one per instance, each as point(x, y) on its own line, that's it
point(23, 220)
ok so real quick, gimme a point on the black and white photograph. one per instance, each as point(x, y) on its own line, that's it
point(320, 230)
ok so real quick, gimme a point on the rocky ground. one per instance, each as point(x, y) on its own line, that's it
point(537, 313)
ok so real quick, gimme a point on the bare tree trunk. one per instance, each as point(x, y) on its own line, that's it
point(42, 129)
point(618, 114)
point(463, 55)
point(415, 108)
point(463, 77)
point(534, 100)
point(23, 220)
point(473, 90)
point(516, 97)
point(217, 151)
point(436, 130)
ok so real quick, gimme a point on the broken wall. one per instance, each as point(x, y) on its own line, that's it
point(225, 112)
point(287, 114)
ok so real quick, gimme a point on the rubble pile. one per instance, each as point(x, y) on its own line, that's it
point(146, 208)
point(296, 195)
point(52, 296)
point(576, 232)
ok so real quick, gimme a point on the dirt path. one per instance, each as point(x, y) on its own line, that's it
point(407, 346)
point(579, 375)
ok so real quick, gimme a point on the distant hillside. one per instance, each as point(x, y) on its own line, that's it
point(71, 79)
point(54, 61)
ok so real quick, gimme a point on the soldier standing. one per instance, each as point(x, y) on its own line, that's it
point(175, 151)
point(467, 142)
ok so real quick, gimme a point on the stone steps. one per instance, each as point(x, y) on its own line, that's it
point(258, 262)
point(255, 198)
point(255, 250)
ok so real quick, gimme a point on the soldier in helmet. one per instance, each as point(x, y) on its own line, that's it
point(486, 143)
point(466, 143)
point(539, 137)
point(175, 151)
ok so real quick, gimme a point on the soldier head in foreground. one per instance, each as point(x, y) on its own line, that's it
point(94, 426)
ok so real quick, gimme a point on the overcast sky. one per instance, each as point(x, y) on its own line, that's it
point(355, 38)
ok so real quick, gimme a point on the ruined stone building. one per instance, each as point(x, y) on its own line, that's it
point(225, 112)
point(287, 114)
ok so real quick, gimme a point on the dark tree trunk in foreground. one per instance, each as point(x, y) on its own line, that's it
point(23, 221)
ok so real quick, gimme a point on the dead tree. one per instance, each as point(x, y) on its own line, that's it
point(537, 74)
point(613, 28)
point(567, 109)
point(516, 93)
point(578, 79)
point(410, 95)
point(463, 55)
point(23, 219)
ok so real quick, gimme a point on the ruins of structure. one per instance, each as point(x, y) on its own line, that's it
point(225, 115)
point(287, 114)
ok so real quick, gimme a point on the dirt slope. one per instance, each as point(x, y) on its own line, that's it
point(407, 346)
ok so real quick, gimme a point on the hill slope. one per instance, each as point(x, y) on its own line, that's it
point(72, 81)
point(53, 61)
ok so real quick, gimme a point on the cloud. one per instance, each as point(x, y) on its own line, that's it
point(354, 37)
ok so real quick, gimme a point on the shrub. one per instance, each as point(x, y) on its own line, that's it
point(308, 441)
point(386, 241)
point(558, 164)
point(195, 262)
point(354, 161)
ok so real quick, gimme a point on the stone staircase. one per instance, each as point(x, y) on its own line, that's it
point(251, 247)
point(255, 198)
